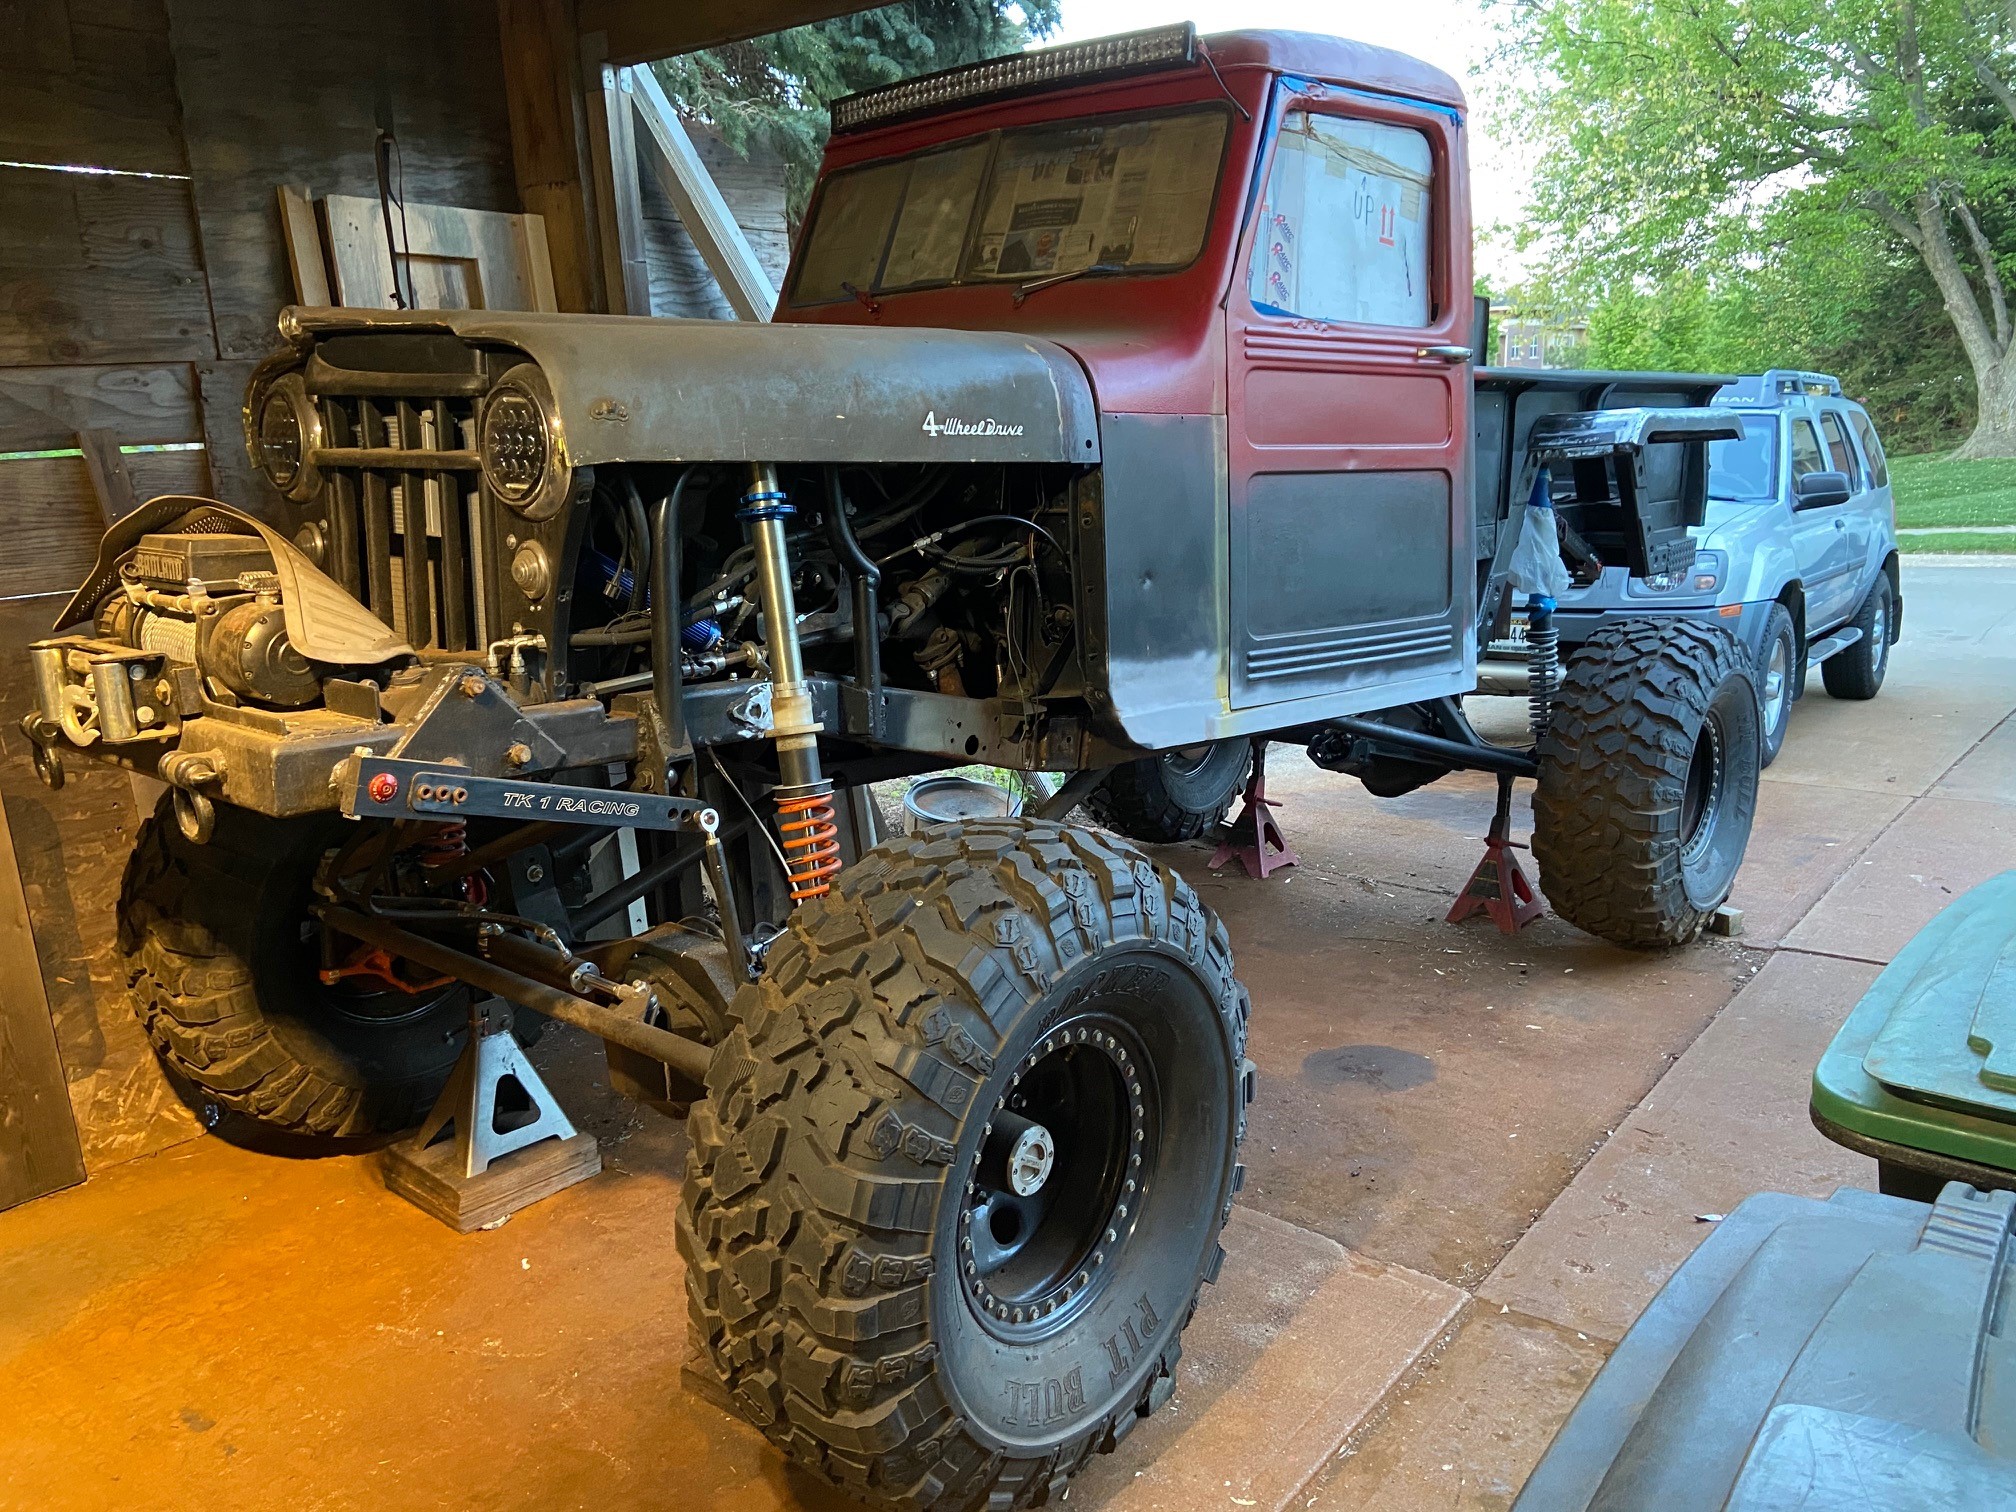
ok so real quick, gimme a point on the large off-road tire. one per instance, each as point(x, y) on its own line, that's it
point(867, 1273)
point(1857, 673)
point(221, 963)
point(1648, 781)
point(1176, 795)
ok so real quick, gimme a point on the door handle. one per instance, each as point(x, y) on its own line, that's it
point(1840, 524)
point(1445, 353)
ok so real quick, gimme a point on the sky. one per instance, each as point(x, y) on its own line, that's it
point(1454, 35)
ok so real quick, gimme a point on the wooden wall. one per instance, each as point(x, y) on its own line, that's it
point(136, 303)
point(753, 188)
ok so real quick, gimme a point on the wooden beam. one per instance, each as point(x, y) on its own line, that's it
point(640, 30)
point(109, 479)
point(550, 146)
point(692, 190)
point(303, 235)
point(619, 202)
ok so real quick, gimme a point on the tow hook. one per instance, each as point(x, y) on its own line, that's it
point(187, 774)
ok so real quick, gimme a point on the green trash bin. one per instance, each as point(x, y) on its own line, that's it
point(1922, 1076)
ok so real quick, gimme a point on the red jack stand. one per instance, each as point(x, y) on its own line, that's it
point(1499, 886)
point(1254, 837)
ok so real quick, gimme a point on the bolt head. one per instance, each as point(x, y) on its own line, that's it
point(383, 788)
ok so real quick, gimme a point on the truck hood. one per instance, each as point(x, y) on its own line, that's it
point(634, 389)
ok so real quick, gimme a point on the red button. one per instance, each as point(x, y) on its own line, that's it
point(383, 788)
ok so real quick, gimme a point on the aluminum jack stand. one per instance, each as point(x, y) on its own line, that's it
point(491, 1166)
point(1499, 885)
point(1254, 837)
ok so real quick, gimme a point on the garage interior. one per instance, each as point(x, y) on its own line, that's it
point(1473, 1158)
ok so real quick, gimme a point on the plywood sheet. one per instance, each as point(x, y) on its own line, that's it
point(451, 258)
point(270, 100)
point(50, 518)
point(88, 81)
point(43, 408)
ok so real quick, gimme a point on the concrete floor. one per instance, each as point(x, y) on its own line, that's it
point(1472, 1160)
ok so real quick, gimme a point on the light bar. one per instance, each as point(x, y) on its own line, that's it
point(1102, 57)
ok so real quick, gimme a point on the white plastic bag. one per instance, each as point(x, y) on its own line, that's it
point(1537, 569)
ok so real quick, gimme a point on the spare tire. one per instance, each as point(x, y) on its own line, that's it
point(1175, 795)
point(1648, 781)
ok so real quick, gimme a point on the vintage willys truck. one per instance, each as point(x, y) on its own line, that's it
point(1119, 410)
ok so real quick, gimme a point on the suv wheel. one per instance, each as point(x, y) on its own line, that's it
point(1857, 672)
point(1177, 795)
point(1777, 680)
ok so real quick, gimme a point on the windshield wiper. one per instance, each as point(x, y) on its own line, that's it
point(1034, 284)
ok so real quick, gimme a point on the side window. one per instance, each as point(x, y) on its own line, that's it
point(1344, 229)
point(1806, 455)
point(1879, 470)
point(1841, 449)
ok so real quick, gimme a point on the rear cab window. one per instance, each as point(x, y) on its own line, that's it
point(1841, 450)
point(1879, 469)
point(1104, 194)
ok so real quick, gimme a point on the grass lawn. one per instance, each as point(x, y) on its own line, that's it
point(1935, 489)
point(1959, 541)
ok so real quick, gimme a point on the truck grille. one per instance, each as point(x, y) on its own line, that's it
point(409, 543)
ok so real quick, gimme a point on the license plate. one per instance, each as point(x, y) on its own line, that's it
point(1513, 641)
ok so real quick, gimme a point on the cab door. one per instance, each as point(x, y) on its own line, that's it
point(1864, 506)
point(1348, 409)
point(1821, 540)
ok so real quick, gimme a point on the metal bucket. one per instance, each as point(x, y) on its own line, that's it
point(947, 800)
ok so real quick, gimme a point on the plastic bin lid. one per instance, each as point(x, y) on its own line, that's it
point(1810, 1354)
point(1927, 1058)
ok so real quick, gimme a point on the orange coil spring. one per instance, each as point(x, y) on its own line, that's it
point(811, 844)
point(444, 846)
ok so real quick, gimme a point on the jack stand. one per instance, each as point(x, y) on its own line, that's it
point(1254, 837)
point(487, 1172)
point(1499, 886)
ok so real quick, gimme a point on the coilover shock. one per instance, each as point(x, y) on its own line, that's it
point(805, 823)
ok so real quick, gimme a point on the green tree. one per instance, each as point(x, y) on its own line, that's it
point(1770, 141)
point(774, 90)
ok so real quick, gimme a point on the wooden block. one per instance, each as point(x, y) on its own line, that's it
point(109, 479)
point(432, 1181)
point(1726, 921)
point(299, 229)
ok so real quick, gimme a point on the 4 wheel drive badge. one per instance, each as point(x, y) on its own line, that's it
point(952, 426)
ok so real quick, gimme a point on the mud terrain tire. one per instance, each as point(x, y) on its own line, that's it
point(1648, 781)
point(1166, 798)
point(838, 1280)
point(223, 982)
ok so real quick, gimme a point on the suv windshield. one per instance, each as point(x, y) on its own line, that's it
point(1119, 194)
point(1746, 471)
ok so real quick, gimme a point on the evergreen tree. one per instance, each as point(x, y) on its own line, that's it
point(773, 91)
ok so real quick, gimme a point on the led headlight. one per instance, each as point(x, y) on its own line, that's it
point(286, 429)
point(1699, 580)
point(519, 445)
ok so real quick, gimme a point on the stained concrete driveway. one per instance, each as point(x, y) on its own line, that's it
point(1471, 1161)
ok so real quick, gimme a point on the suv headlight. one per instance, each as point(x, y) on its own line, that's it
point(520, 447)
point(287, 428)
point(1702, 579)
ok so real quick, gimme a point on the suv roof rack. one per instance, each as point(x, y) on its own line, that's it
point(1778, 385)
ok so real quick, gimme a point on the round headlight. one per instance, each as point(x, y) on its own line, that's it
point(285, 430)
point(520, 447)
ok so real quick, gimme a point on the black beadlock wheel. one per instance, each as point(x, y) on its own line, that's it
point(1173, 796)
point(1648, 781)
point(963, 1164)
point(221, 959)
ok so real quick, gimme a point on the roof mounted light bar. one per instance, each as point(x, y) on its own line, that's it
point(1073, 62)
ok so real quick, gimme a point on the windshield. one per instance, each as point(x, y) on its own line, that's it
point(1746, 471)
point(1121, 194)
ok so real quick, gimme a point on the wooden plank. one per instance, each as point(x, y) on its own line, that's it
point(686, 182)
point(302, 232)
point(43, 408)
point(50, 520)
point(639, 30)
point(88, 83)
point(458, 259)
point(39, 1148)
point(98, 269)
point(549, 141)
point(111, 483)
point(269, 99)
